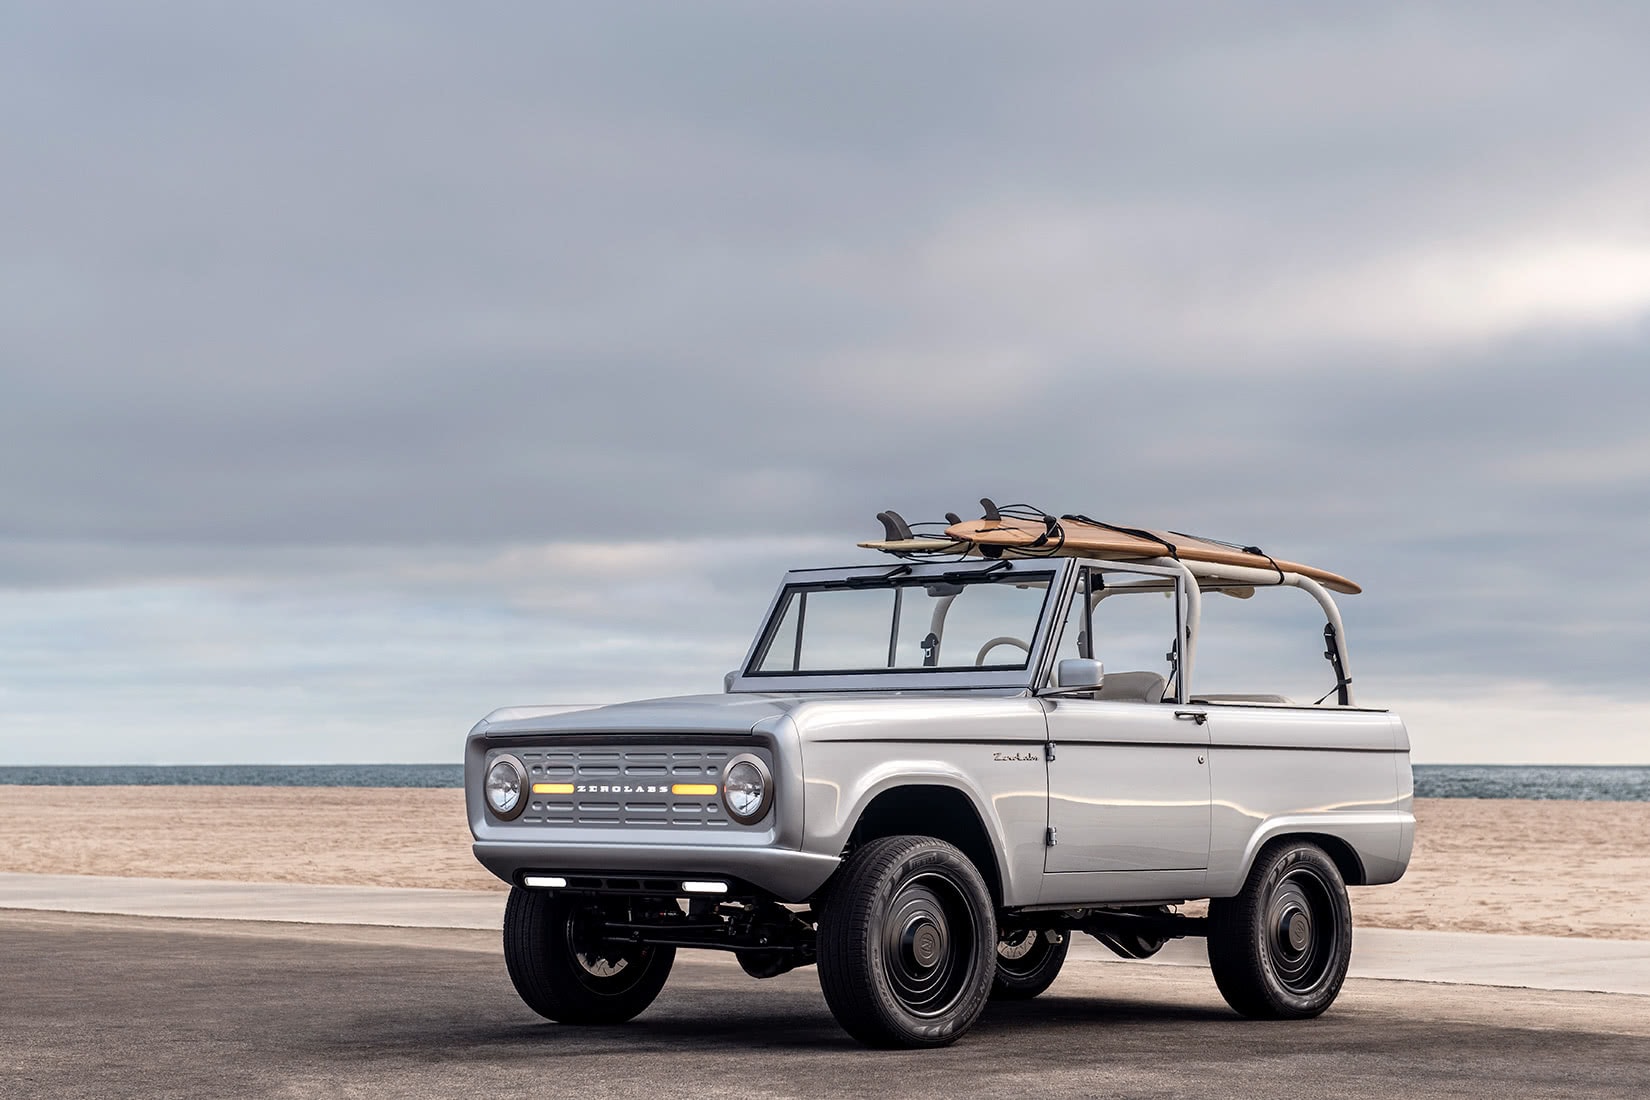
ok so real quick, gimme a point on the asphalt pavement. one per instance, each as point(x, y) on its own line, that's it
point(1535, 962)
point(110, 1006)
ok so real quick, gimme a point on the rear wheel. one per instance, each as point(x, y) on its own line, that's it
point(1280, 949)
point(1028, 961)
point(907, 943)
point(564, 971)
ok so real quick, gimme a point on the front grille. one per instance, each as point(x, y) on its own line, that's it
point(628, 786)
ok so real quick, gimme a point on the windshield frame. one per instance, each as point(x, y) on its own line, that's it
point(1059, 570)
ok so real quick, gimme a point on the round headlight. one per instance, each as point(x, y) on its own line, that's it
point(747, 788)
point(505, 780)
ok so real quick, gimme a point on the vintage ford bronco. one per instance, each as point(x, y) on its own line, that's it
point(924, 781)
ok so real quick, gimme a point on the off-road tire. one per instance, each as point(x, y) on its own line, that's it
point(907, 943)
point(1267, 963)
point(1024, 977)
point(560, 983)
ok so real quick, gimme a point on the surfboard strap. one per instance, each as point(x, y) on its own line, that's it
point(1255, 550)
point(1136, 532)
point(1046, 545)
point(1332, 653)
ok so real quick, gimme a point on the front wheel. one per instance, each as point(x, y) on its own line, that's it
point(907, 943)
point(565, 972)
point(1028, 961)
point(1280, 949)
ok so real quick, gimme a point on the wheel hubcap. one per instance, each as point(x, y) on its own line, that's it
point(928, 945)
point(1297, 930)
point(1300, 930)
point(924, 942)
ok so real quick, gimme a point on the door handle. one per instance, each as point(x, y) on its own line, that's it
point(1192, 716)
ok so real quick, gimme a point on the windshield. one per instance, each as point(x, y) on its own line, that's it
point(980, 622)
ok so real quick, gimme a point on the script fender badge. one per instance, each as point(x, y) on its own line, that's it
point(1013, 756)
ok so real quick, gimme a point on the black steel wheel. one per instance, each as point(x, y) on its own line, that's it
point(1028, 961)
point(1280, 949)
point(907, 943)
point(565, 972)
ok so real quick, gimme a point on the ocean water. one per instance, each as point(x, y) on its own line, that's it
point(1582, 783)
point(1588, 784)
point(238, 775)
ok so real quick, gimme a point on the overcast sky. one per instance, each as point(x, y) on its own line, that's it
point(366, 367)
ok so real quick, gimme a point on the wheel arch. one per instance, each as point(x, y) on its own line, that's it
point(931, 809)
point(1357, 842)
point(1341, 852)
point(1345, 856)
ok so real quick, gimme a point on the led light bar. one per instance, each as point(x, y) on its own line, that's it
point(694, 788)
point(704, 887)
point(552, 788)
point(551, 882)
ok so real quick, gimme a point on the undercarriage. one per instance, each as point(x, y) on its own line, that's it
point(772, 938)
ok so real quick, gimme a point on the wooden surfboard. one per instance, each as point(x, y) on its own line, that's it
point(1089, 540)
point(921, 544)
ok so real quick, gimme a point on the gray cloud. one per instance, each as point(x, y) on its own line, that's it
point(305, 305)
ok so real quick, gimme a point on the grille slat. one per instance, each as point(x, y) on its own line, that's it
point(628, 787)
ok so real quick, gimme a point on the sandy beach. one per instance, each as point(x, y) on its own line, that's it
point(1500, 866)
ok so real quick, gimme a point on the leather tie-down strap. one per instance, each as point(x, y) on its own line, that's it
point(1255, 550)
point(1134, 531)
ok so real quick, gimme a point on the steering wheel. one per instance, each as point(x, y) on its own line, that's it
point(979, 658)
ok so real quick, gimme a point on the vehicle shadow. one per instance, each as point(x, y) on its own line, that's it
point(1052, 1009)
point(791, 1022)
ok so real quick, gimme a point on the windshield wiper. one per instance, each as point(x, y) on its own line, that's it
point(960, 576)
point(867, 582)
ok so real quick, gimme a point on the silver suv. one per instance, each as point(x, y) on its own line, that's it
point(923, 780)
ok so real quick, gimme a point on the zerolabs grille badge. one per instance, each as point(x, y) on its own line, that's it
point(699, 789)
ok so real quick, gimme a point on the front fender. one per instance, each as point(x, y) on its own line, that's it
point(833, 809)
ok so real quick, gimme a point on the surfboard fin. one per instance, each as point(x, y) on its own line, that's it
point(991, 512)
point(952, 518)
point(894, 524)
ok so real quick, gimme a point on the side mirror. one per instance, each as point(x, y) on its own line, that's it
point(727, 681)
point(1079, 674)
